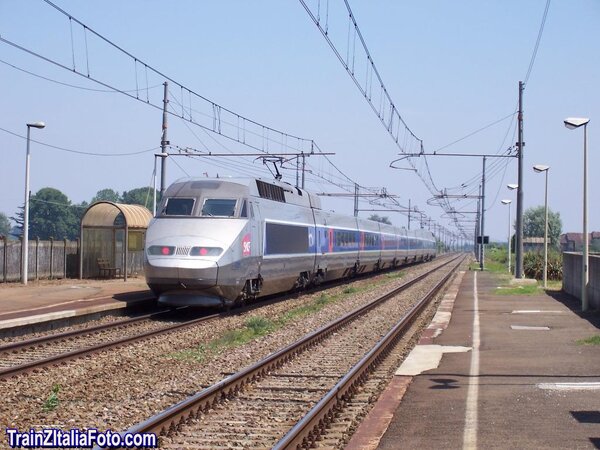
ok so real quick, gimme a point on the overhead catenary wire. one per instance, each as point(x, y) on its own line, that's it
point(315, 146)
point(80, 152)
point(69, 84)
point(242, 124)
point(537, 42)
point(219, 111)
point(39, 200)
point(430, 183)
point(386, 109)
point(473, 133)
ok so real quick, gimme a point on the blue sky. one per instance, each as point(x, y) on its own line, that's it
point(450, 67)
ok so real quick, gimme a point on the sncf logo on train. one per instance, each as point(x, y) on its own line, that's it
point(246, 243)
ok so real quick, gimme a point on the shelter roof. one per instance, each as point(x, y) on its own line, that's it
point(104, 214)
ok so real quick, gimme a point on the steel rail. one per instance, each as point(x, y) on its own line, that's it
point(312, 425)
point(169, 419)
point(63, 357)
point(18, 345)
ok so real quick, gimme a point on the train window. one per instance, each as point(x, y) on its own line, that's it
point(244, 212)
point(179, 207)
point(219, 207)
point(283, 239)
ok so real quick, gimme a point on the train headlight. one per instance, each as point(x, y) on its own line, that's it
point(206, 251)
point(163, 250)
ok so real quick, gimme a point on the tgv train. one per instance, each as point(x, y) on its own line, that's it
point(218, 242)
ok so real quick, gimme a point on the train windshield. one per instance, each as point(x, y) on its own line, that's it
point(221, 207)
point(179, 207)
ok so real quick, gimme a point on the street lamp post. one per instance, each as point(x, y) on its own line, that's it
point(508, 202)
point(572, 123)
point(541, 168)
point(25, 241)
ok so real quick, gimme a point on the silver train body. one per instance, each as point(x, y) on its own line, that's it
point(217, 242)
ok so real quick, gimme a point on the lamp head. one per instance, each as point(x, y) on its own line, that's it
point(506, 202)
point(575, 122)
point(36, 125)
point(512, 186)
point(540, 168)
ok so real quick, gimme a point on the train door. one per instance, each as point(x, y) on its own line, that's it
point(257, 230)
point(322, 245)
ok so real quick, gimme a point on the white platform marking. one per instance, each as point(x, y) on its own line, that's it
point(470, 432)
point(426, 357)
point(535, 311)
point(585, 386)
point(526, 327)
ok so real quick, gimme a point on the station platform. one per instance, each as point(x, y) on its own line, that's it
point(46, 300)
point(494, 371)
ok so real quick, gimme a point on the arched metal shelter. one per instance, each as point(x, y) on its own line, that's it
point(113, 233)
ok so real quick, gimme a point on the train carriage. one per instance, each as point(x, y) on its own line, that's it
point(215, 242)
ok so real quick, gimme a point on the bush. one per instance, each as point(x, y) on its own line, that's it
point(533, 265)
point(497, 254)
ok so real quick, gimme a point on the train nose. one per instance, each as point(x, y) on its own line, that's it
point(204, 274)
point(180, 272)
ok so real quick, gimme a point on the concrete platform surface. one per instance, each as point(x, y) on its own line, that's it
point(53, 299)
point(525, 381)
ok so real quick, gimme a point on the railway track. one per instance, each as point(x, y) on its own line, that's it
point(33, 354)
point(288, 399)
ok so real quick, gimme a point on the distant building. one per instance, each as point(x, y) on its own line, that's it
point(533, 244)
point(573, 242)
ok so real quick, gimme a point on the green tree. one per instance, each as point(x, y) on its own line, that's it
point(52, 215)
point(18, 219)
point(4, 225)
point(139, 196)
point(376, 218)
point(106, 194)
point(80, 210)
point(534, 220)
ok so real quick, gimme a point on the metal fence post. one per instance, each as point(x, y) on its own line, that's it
point(37, 257)
point(21, 259)
point(65, 259)
point(51, 255)
point(4, 259)
point(79, 265)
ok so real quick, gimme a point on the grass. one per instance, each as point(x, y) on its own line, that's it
point(496, 262)
point(52, 401)
point(257, 326)
point(594, 340)
point(324, 299)
point(496, 267)
point(394, 275)
point(196, 354)
point(554, 285)
point(254, 327)
point(491, 266)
